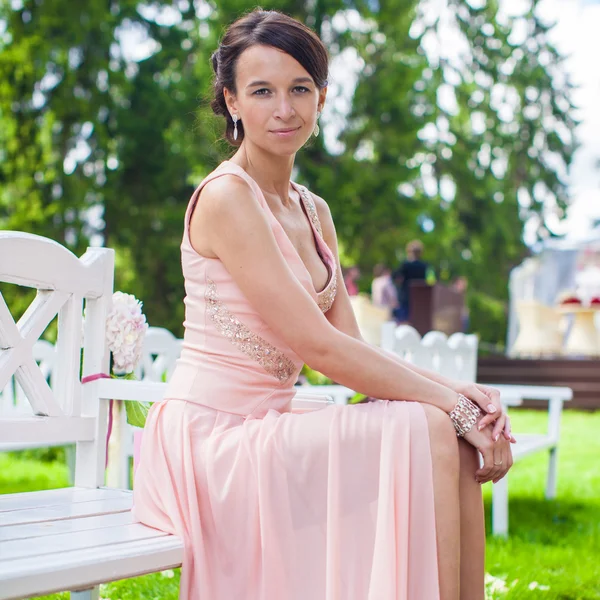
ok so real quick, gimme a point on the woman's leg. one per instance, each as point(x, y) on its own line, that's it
point(445, 459)
point(472, 527)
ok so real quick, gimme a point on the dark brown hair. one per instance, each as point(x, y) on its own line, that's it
point(415, 248)
point(267, 28)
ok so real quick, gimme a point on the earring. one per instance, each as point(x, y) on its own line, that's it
point(235, 129)
point(317, 129)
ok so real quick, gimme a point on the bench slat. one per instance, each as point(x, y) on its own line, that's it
point(36, 549)
point(57, 496)
point(50, 430)
point(81, 569)
point(529, 443)
point(65, 511)
point(34, 530)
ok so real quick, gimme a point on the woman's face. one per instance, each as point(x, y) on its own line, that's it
point(277, 100)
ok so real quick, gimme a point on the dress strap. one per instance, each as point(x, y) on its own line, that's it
point(311, 209)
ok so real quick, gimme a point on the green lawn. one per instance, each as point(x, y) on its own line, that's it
point(553, 551)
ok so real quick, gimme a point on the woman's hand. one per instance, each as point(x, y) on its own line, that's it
point(497, 456)
point(488, 399)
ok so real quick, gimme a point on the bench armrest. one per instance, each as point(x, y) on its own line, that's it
point(127, 389)
point(555, 396)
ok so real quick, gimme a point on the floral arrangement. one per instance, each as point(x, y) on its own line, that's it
point(126, 328)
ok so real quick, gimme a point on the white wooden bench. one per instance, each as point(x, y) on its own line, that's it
point(73, 538)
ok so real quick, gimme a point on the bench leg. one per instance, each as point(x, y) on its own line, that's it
point(70, 459)
point(552, 468)
point(500, 508)
point(91, 594)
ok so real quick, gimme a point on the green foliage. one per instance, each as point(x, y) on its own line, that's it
point(489, 316)
point(98, 145)
point(19, 474)
point(314, 377)
point(137, 412)
point(50, 454)
point(563, 534)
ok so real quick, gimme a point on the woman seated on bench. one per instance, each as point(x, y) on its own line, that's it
point(380, 500)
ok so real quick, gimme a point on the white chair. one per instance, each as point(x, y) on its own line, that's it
point(160, 353)
point(539, 331)
point(369, 317)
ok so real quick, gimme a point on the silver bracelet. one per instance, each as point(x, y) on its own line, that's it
point(464, 415)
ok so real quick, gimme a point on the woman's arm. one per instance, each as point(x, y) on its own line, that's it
point(229, 222)
point(342, 317)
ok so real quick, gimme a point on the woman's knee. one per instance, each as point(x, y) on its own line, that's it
point(442, 436)
point(469, 457)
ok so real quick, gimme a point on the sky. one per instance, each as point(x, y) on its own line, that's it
point(577, 34)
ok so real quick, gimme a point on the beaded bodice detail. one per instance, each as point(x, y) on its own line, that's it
point(272, 360)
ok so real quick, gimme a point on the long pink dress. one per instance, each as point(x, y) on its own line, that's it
point(333, 504)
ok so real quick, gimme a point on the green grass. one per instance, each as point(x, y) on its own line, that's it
point(555, 544)
point(553, 551)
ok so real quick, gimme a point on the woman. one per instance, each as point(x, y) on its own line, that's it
point(351, 275)
point(383, 290)
point(376, 501)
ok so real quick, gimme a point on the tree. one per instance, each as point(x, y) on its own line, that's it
point(458, 148)
point(457, 143)
point(99, 146)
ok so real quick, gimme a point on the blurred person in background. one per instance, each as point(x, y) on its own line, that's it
point(460, 285)
point(351, 276)
point(383, 290)
point(412, 269)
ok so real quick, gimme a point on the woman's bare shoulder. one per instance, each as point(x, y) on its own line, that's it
point(225, 193)
point(225, 202)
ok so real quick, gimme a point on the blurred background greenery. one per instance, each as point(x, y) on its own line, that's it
point(105, 130)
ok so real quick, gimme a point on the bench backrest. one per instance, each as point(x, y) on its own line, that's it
point(454, 357)
point(67, 412)
point(13, 400)
point(160, 353)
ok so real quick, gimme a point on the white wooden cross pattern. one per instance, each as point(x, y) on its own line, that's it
point(62, 281)
point(16, 343)
point(12, 397)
